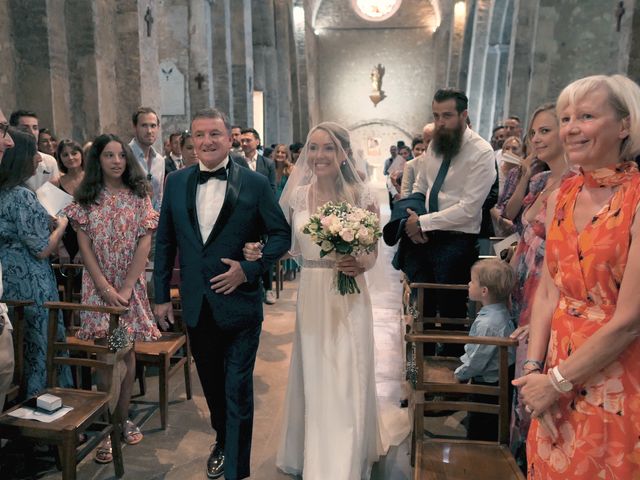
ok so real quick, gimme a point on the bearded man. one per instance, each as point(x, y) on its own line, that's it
point(455, 175)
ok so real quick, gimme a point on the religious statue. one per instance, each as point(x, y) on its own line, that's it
point(376, 77)
point(377, 94)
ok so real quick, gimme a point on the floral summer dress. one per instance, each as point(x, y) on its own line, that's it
point(599, 427)
point(114, 226)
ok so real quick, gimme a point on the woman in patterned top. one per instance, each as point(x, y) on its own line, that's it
point(584, 398)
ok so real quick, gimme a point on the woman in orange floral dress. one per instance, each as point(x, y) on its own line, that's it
point(585, 402)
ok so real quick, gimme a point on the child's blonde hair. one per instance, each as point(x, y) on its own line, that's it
point(497, 276)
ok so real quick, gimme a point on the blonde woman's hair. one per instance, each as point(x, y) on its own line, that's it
point(288, 163)
point(497, 276)
point(624, 97)
point(545, 107)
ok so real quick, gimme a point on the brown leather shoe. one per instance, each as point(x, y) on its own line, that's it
point(215, 463)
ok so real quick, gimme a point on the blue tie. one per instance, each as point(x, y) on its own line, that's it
point(437, 184)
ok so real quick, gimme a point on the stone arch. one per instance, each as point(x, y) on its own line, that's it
point(371, 139)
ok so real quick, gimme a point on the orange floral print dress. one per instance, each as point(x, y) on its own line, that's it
point(599, 428)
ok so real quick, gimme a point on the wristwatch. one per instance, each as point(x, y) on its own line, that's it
point(562, 384)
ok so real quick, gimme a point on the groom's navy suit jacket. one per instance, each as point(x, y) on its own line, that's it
point(249, 211)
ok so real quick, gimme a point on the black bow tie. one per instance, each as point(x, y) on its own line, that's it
point(220, 174)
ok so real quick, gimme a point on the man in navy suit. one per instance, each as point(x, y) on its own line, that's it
point(250, 141)
point(209, 212)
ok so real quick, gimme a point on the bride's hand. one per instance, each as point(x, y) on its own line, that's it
point(252, 251)
point(349, 266)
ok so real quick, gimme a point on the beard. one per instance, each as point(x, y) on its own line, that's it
point(235, 144)
point(448, 141)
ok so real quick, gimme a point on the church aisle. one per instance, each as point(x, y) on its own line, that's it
point(181, 451)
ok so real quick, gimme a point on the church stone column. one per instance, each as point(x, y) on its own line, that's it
point(83, 81)
point(221, 56)
point(442, 38)
point(633, 66)
point(41, 76)
point(199, 76)
point(242, 62)
point(496, 64)
point(107, 92)
point(265, 75)
point(301, 99)
point(8, 84)
point(520, 58)
point(130, 59)
point(311, 72)
point(479, 45)
point(175, 41)
point(283, 69)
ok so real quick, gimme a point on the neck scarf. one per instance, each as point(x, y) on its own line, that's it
point(611, 175)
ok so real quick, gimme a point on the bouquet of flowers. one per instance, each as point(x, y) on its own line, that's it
point(344, 230)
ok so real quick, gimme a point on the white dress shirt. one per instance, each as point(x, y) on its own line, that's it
point(465, 188)
point(209, 200)
point(253, 161)
point(46, 171)
point(155, 172)
point(177, 161)
point(409, 176)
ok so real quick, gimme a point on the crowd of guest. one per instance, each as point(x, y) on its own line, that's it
point(567, 192)
point(565, 185)
point(107, 179)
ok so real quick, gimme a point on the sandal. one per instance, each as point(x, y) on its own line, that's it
point(131, 434)
point(104, 453)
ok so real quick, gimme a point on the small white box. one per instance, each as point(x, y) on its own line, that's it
point(49, 402)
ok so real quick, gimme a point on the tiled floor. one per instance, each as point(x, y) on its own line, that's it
point(180, 451)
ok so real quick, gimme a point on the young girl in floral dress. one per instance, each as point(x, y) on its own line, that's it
point(114, 219)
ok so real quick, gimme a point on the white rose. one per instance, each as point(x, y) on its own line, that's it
point(326, 246)
point(347, 235)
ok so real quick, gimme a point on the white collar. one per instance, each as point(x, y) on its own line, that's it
point(204, 168)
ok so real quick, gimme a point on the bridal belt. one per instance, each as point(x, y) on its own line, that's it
point(318, 263)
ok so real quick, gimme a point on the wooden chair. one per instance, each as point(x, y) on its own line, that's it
point(165, 354)
point(421, 293)
point(446, 458)
point(18, 387)
point(89, 407)
point(68, 275)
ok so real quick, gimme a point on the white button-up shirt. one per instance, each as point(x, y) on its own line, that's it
point(465, 188)
point(253, 161)
point(155, 172)
point(209, 200)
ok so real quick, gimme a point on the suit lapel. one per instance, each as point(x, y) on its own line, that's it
point(234, 182)
point(192, 185)
point(260, 165)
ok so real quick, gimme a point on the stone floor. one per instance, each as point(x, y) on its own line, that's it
point(180, 451)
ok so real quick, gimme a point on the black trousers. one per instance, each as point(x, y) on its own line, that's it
point(225, 360)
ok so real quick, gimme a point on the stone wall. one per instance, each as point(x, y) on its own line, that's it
point(348, 48)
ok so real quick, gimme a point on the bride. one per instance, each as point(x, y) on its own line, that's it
point(331, 428)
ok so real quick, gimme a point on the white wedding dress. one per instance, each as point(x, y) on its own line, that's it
point(331, 427)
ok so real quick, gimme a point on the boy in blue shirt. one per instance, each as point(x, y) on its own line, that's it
point(491, 284)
